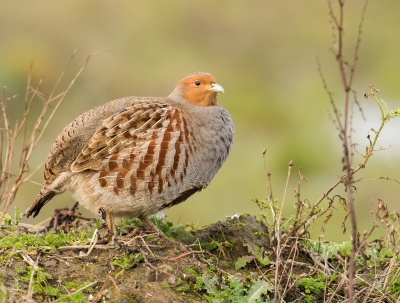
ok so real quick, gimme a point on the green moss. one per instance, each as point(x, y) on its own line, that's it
point(311, 285)
point(50, 291)
point(79, 297)
point(127, 261)
point(165, 285)
point(191, 271)
point(39, 277)
point(20, 270)
point(46, 242)
point(182, 286)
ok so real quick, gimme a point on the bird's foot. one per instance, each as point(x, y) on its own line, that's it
point(110, 238)
point(159, 234)
point(122, 246)
point(151, 228)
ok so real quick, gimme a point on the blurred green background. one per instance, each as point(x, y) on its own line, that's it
point(262, 52)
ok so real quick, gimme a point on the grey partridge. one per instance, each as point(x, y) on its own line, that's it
point(135, 156)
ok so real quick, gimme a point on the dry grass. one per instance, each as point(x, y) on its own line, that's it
point(17, 141)
point(290, 234)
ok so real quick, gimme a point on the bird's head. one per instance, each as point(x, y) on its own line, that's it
point(199, 89)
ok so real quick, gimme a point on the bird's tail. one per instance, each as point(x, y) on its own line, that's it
point(40, 201)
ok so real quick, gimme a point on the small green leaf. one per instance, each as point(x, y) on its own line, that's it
point(50, 291)
point(259, 288)
point(242, 261)
point(209, 284)
point(261, 255)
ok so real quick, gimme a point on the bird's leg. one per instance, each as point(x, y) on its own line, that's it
point(107, 222)
point(110, 223)
point(152, 228)
point(149, 225)
point(102, 216)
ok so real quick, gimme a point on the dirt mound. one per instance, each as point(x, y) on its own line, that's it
point(153, 270)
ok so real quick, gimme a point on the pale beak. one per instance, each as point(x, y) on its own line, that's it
point(216, 88)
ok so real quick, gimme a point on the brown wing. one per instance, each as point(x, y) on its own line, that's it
point(143, 148)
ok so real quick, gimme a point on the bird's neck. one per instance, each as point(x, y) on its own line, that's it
point(204, 100)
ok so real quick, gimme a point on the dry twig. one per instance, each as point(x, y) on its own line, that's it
point(11, 177)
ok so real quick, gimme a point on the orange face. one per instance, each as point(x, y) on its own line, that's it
point(200, 89)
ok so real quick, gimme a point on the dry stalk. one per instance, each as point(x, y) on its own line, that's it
point(343, 122)
point(294, 252)
point(278, 247)
point(10, 135)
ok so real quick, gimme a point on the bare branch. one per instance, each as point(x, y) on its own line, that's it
point(9, 135)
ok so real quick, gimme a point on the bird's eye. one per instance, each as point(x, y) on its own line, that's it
point(197, 83)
